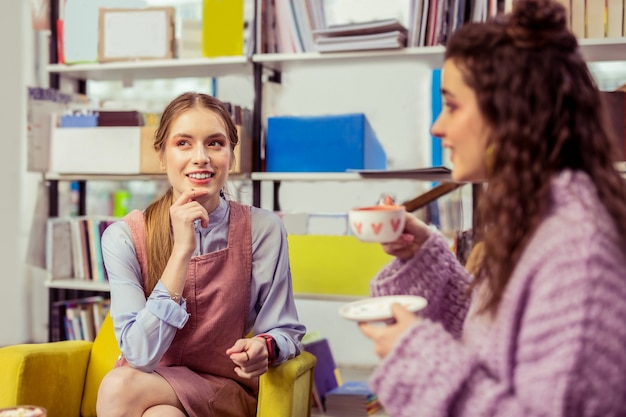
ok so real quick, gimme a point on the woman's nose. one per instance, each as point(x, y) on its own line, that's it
point(437, 128)
point(201, 155)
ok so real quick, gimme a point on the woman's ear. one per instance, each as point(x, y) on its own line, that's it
point(161, 161)
point(233, 161)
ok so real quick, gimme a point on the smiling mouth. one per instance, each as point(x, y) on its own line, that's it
point(203, 176)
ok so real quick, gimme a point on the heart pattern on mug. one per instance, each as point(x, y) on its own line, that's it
point(377, 227)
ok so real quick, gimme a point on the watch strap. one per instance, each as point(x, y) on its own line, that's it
point(272, 347)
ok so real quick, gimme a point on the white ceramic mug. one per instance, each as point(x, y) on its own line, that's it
point(381, 223)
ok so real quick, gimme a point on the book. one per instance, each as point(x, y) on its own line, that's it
point(615, 14)
point(59, 260)
point(577, 18)
point(96, 227)
point(85, 248)
point(94, 247)
point(353, 398)
point(435, 173)
point(362, 28)
point(386, 40)
point(76, 317)
point(326, 372)
point(120, 118)
point(415, 22)
point(77, 250)
point(379, 34)
point(87, 322)
point(595, 20)
point(222, 28)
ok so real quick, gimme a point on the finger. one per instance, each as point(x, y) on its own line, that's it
point(238, 347)
point(198, 192)
point(250, 371)
point(367, 329)
point(240, 358)
point(190, 195)
point(400, 313)
point(184, 198)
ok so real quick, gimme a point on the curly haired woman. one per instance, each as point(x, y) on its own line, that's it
point(537, 328)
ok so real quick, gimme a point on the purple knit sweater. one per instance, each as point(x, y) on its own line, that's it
point(556, 346)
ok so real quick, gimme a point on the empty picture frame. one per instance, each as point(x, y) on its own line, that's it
point(136, 34)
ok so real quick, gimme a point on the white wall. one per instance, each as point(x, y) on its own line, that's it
point(15, 305)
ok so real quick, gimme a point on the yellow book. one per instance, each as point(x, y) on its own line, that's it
point(334, 265)
point(222, 28)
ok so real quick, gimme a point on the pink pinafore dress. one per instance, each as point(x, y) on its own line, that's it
point(217, 291)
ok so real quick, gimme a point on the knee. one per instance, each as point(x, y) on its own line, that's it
point(116, 391)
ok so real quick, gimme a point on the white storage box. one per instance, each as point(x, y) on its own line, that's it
point(103, 150)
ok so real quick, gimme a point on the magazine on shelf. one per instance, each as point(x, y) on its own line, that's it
point(436, 173)
point(380, 34)
point(387, 40)
point(362, 28)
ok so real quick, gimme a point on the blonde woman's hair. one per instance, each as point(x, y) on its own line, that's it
point(159, 239)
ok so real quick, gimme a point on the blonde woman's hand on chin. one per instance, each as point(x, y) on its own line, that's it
point(411, 240)
point(183, 212)
point(386, 337)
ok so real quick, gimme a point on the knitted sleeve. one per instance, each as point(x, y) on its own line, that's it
point(435, 274)
point(557, 348)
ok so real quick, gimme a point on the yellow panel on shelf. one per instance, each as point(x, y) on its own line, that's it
point(334, 265)
point(222, 28)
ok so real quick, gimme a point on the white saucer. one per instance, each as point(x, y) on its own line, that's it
point(379, 308)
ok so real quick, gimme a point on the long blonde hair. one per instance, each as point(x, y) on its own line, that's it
point(159, 239)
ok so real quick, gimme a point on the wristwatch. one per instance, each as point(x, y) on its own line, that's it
point(272, 347)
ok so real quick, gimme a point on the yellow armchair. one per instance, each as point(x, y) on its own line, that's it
point(64, 377)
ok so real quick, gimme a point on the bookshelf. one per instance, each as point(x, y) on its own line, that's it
point(593, 50)
point(257, 67)
point(155, 69)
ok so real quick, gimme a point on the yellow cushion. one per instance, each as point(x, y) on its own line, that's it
point(49, 375)
point(104, 353)
point(285, 390)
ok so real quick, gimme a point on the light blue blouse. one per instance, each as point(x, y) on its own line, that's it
point(145, 328)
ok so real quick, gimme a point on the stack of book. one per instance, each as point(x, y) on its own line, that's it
point(78, 319)
point(352, 398)
point(73, 247)
point(380, 34)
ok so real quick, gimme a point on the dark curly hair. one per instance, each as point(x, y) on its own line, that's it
point(546, 115)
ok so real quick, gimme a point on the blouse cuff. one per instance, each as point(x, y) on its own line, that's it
point(161, 304)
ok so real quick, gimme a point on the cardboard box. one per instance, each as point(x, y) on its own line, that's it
point(136, 34)
point(334, 143)
point(104, 150)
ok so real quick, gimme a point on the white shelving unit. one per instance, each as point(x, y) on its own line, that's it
point(593, 50)
point(600, 50)
point(78, 284)
point(155, 69)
